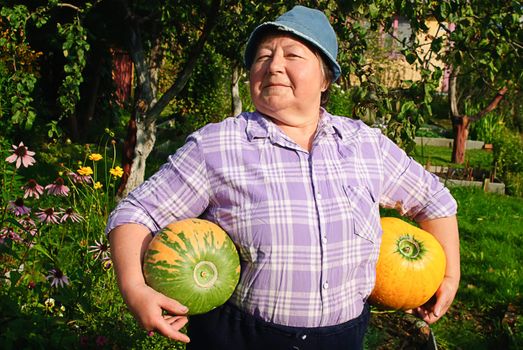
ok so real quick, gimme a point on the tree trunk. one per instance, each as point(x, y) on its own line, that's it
point(235, 91)
point(142, 129)
point(460, 126)
point(145, 140)
point(461, 123)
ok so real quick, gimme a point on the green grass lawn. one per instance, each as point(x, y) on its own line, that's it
point(491, 231)
point(434, 155)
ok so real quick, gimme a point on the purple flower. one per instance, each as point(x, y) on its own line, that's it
point(8, 232)
point(18, 207)
point(100, 250)
point(57, 188)
point(33, 189)
point(49, 216)
point(71, 214)
point(57, 278)
point(22, 156)
point(28, 224)
point(80, 179)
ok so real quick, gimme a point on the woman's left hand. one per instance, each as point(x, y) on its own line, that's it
point(439, 304)
point(446, 232)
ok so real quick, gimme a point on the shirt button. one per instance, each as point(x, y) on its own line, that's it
point(318, 195)
point(324, 240)
point(326, 285)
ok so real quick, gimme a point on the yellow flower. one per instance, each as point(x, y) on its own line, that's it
point(98, 185)
point(95, 157)
point(85, 171)
point(116, 171)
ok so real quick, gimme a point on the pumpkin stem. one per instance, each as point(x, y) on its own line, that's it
point(409, 247)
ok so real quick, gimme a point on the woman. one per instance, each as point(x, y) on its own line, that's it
point(298, 190)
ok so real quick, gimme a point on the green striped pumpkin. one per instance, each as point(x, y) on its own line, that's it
point(195, 262)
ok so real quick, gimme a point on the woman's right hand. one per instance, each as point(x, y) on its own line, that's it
point(153, 310)
point(157, 312)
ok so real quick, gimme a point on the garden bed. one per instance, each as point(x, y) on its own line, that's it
point(444, 142)
point(475, 177)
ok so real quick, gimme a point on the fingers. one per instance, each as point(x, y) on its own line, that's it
point(439, 304)
point(172, 306)
point(157, 313)
point(171, 319)
point(435, 308)
point(170, 328)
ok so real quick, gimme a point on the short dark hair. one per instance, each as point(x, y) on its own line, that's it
point(329, 74)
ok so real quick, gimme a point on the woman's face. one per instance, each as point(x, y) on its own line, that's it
point(286, 79)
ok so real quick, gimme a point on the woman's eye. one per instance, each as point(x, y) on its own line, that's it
point(263, 57)
point(294, 54)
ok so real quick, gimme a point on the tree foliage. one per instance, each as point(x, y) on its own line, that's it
point(184, 53)
point(18, 68)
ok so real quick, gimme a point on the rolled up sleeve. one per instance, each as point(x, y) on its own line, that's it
point(180, 189)
point(412, 190)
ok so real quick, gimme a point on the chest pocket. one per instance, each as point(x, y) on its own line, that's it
point(364, 209)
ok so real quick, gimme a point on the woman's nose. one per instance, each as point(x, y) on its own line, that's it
point(276, 63)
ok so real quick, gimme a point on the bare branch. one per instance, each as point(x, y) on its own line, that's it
point(184, 76)
point(71, 6)
point(492, 105)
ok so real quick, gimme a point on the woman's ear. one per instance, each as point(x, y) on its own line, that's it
point(325, 85)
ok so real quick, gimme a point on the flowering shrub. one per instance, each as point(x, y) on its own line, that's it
point(57, 287)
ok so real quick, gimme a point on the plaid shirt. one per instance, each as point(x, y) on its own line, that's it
point(306, 224)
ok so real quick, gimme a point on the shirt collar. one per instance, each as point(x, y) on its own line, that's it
point(259, 126)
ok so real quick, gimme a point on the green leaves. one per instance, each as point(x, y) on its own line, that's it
point(17, 62)
point(74, 47)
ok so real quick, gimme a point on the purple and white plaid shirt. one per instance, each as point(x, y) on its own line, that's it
point(306, 224)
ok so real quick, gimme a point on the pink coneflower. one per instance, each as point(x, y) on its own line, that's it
point(18, 207)
point(57, 278)
point(79, 179)
point(57, 188)
point(100, 249)
point(28, 224)
point(49, 216)
point(8, 232)
point(71, 214)
point(22, 156)
point(33, 189)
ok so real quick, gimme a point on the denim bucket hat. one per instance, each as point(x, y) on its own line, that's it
point(308, 24)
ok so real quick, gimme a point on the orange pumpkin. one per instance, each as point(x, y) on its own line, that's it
point(410, 268)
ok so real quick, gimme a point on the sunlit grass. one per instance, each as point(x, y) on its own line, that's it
point(435, 155)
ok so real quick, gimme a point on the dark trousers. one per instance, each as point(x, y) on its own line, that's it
point(228, 328)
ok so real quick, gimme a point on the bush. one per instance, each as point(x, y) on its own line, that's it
point(488, 128)
point(508, 160)
point(340, 101)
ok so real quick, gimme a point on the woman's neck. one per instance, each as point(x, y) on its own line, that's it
point(301, 132)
